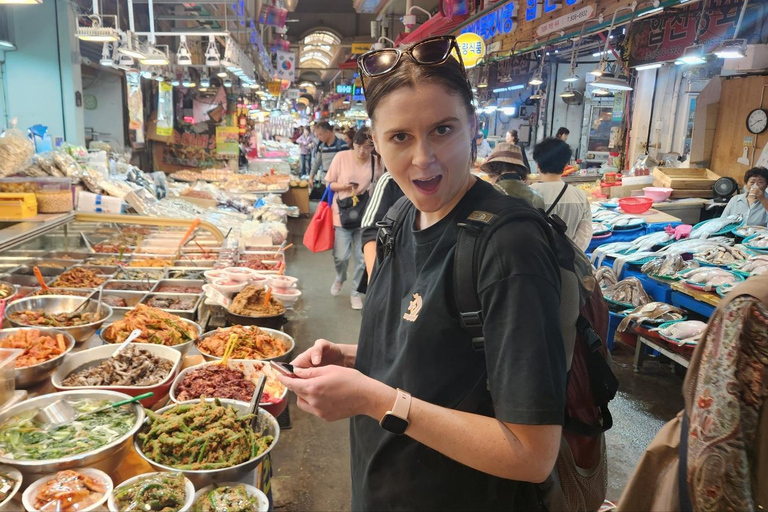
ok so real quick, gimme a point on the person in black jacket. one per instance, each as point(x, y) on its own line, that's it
point(386, 194)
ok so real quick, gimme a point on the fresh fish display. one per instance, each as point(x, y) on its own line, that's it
point(747, 231)
point(658, 312)
point(710, 227)
point(623, 221)
point(756, 265)
point(599, 228)
point(604, 216)
point(668, 266)
point(688, 332)
point(627, 291)
point(759, 241)
point(708, 278)
point(606, 277)
point(722, 255)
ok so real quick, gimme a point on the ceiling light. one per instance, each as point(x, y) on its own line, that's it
point(612, 83)
point(572, 77)
point(175, 81)
point(205, 81)
point(600, 92)
point(146, 74)
point(212, 55)
point(507, 107)
point(20, 2)
point(732, 49)
point(601, 53)
point(90, 27)
point(186, 81)
point(7, 45)
point(130, 46)
point(222, 73)
point(482, 85)
point(154, 57)
point(202, 89)
point(159, 77)
point(536, 80)
point(346, 100)
point(106, 56)
point(538, 95)
point(125, 62)
point(693, 55)
point(490, 107)
point(183, 57)
point(648, 66)
point(568, 93)
point(227, 83)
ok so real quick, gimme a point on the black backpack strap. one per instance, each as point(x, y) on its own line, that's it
point(557, 199)
point(389, 226)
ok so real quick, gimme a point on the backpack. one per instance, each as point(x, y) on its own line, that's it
point(579, 481)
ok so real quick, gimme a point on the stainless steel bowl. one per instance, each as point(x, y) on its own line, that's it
point(13, 287)
point(208, 477)
point(183, 348)
point(30, 375)
point(287, 340)
point(53, 304)
point(106, 458)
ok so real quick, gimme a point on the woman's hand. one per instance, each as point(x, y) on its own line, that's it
point(325, 353)
point(335, 393)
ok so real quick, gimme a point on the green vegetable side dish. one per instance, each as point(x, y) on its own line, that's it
point(161, 492)
point(231, 499)
point(22, 439)
point(201, 436)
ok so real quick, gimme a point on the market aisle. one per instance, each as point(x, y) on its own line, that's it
point(312, 460)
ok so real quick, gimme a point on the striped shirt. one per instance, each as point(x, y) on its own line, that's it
point(324, 156)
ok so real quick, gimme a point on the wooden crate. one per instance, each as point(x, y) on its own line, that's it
point(684, 178)
point(687, 194)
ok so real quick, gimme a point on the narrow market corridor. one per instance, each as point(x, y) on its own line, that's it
point(312, 461)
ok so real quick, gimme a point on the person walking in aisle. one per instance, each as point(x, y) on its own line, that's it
point(506, 170)
point(305, 146)
point(562, 133)
point(435, 423)
point(328, 147)
point(351, 174)
point(567, 202)
point(512, 138)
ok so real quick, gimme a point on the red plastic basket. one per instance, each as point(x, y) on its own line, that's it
point(635, 204)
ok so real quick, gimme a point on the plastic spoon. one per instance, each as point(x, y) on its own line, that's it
point(61, 412)
point(39, 276)
point(184, 240)
point(134, 334)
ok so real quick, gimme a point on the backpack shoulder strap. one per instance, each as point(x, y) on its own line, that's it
point(557, 199)
point(389, 227)
point(472, 240)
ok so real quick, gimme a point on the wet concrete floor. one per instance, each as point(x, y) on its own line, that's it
point(311, 463)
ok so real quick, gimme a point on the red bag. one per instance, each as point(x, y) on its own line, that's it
point(320, 234)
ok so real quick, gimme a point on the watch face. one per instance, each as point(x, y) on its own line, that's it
point(394, 424)
point(757, 121)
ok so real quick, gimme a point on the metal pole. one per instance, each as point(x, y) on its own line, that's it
point(151, 22)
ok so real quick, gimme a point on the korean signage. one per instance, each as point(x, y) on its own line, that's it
point(498, 22)
point(344, 89)
point(471, 47)
point(360, 48)
point(227, 138)
point(665, 37)
point(358, 94)
point(193, 146)
point(574, 18)
point(535, 10)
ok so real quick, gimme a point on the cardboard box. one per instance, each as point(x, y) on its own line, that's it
point(621, 190)
point(97, 203)
point(298, 197)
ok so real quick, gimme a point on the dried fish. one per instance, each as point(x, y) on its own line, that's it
point(627, 291)
point(667, 266)
point(605, 277)
point(722, 255)
point(688, 332)
point(708, 278)
point(760, 241)
point(658, 312)
point(710, 227)
point(756, 265)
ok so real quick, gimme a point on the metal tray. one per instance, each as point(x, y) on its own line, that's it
point(197, 283)
point(46, 262)
point(162, 273)
point(28, 270)
point(188, 272)
point(183, 313)
point(101, 270)
point(131, 298)
point(150, 283)
point(195, 263)
point(73, 255)
point(22, 280)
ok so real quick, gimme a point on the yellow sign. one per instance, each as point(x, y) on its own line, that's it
point(472, 48)
point(274, 86)
point(227, 138)
point(360, 48)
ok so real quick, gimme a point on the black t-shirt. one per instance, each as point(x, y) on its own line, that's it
point(411, 339)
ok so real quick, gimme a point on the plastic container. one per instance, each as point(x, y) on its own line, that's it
point(635, 204)
point(8, 373)
point(279, 283)
point(54, 195)
point(289, 296)
point(228, 285)
point(239, 274)
point(658, 194)
point(28, 498)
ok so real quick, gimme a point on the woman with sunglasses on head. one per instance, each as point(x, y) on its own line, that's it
point(435, 424)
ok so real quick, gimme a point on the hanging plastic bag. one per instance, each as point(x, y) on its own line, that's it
point(320, 233)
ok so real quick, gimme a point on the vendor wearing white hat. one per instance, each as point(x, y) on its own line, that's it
point(506, 169)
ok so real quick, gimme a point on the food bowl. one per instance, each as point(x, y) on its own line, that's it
point(658, 194)
point(249, 489)
point(201, 478)
point(11, 289)
point(183, 348)
point(210, 275)
point(189, 489)
point(28, 498)
point(287, 340)
point(94, 356)
point(53, 304)
point(282, 282)
point(275, 408)
point(229, 285)
point(14, 473)
point(289, 296)
point(240, 274)
point(635, 204)
point(29, 375)
point(105, 458)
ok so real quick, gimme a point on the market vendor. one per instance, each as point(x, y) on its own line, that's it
point(435, 424)
point(506, 169)
point(752, 205)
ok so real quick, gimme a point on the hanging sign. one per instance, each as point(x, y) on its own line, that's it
point(164, 109)
point(274, 86)
point(135, 106)
point(292, 94)
point(344, 89)
point(498, 22)
point(227, 138)
point(360, 48)
point(664, 37)
point(568, 20)
point(286, 66)
point(472, 48)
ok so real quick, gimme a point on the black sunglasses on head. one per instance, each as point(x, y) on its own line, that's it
point(429, 52)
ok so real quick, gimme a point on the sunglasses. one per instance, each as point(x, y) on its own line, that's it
point(429, 52)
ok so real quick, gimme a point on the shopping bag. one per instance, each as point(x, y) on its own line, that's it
point(320, 233)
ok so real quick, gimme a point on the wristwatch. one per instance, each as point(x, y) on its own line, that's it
point(396, 420)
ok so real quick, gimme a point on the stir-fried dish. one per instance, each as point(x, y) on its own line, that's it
point(171, 288)
point(79, 277)
point(62, 291)
point(114, 301)
point(161, 492)
point(250, 302)
point(237, 381)
point(252, 343)
point(41, 318)
point(133, 366)
point(150, 262)
point(22, 439)
point(135, 286)
point(6, 486)
point(156, 327)
point(174, 303)
point(38, 347)
point(202, 436)
point(231, 499)
point(140, 274)
point(69, 491)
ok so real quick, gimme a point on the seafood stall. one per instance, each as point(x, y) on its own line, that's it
point(197, 308)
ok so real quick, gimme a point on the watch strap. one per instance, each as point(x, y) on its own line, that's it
point(402, 406)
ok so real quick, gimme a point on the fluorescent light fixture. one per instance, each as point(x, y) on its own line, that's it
point(205, 81)
point(7, 45)
point(212, 55)
point(159, 77)
point(130, 46)
point(154, 57)
point(509, 88)
point(732, 49)
point(106, 56)
point(693, 55)
point(656, 65)
point(186, 81)
point(568, 93)
point(572, 77)
point(183, 57)
point(536, 80)
point(91, 27)
point(600, 92)
point(611, 83)
point(601, 53)
point(491, 107)
point(222, 73)
point(650, 12)
point(125, 62)
point(227, 83)
point(175, 81)
point(482, 86)
point(20, 2)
